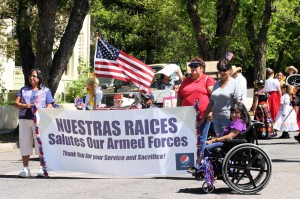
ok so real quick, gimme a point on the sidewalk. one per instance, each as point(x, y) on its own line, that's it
point(7, 146)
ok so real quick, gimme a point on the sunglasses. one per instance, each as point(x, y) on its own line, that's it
point(194, 66)
point(223, 70)
point(91, 83)
point(119, 101)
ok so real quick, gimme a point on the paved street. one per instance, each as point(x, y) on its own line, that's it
point(285, 154)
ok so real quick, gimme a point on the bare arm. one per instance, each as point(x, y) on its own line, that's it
point(255, 103)
point(279, 90)
point(179, 101)
point(19, 105)
point(180, 75)
point(233, 133)
point(206, 113)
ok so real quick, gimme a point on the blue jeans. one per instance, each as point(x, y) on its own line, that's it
point(220, 124)
point(201, 139)
point(209, 149)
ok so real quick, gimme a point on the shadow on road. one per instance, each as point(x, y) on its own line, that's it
point(172, 178)
point(274, 143)
point(216, 191)
point(56, 177)
point(284, 160)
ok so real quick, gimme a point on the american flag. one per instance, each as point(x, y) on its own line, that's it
point(229, 55)
point(111, 62)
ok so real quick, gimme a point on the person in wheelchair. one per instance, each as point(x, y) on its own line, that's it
point(240, 119)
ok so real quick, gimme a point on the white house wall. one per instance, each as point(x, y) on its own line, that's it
point(81, 49)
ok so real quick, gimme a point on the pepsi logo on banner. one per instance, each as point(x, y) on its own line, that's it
point(184, 160)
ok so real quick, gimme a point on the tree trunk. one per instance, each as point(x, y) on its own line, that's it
point(201, 39)
point(227, 10)
point(45, 36)
point(280, 59)
point(258, 41)
point(226, 14)
point(67, 43)
point(52, 69)
point(24, 38)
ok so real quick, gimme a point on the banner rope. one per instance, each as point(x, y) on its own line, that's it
point(206, 166)
point(39, 141)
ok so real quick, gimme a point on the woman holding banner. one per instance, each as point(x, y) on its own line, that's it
point(34, 94)
point(226, 92)
point(197, 87)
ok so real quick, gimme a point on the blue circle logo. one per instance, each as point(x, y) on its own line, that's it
point(184, 159)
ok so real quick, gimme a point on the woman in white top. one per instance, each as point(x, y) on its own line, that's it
point(272, 86)
point(286, 119)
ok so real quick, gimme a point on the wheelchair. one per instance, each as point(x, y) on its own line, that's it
point(244, 166)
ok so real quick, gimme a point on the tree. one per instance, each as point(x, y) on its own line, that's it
point(257, 33)
point(216, 47)
point(40, 54)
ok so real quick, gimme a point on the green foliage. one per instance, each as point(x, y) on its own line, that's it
point(77, 87)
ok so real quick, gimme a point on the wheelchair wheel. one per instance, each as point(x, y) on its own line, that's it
point(206, 188)
point(246, 168)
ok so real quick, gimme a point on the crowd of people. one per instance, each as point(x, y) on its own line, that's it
point(220, 102)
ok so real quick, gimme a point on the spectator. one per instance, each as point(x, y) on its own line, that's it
point(286, 119)
point(34, 94)
point(262, 112)
point(280, 77)
point(93, 90)
point(163, 82)
point(197, 87)
point(118, 101)
point(272, 86)
point(225, 93)
point(290, 70)
point(297, 104)
point(237, 74)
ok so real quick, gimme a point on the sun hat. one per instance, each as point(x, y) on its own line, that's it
point(235, 69)
point(291, 67)
point(91, 80)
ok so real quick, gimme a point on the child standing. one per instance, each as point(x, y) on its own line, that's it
point(262, 112)
point(286, 119)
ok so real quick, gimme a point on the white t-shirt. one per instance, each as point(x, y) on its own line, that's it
point(271, 84)
point(243, 83)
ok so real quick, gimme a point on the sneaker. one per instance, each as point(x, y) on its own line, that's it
point(192, 170)
point(285, 135)
point(40, 173)
point(25, 173)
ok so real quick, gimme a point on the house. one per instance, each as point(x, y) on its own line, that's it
point(11, 75)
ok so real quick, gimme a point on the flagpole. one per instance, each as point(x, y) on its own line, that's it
point(95, 101)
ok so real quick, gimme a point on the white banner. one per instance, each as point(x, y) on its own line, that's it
point(119, 142)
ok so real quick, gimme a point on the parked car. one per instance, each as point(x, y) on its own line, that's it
point(111, 86)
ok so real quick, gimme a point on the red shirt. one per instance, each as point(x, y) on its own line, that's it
point(190, 90)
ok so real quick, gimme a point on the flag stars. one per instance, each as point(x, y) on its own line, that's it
point(105, 51)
